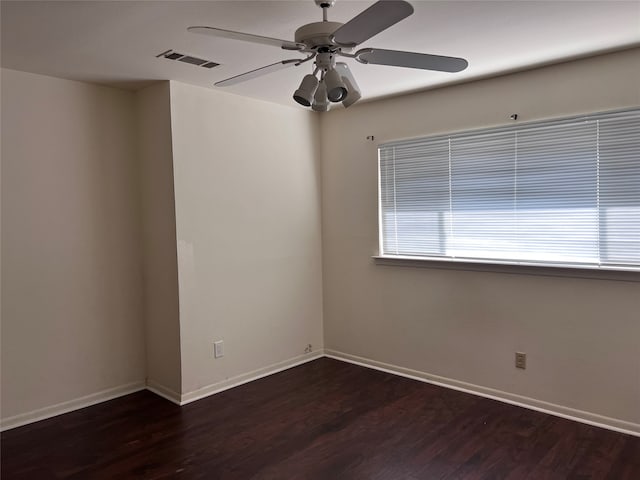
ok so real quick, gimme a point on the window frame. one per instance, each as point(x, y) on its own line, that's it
point(562, 269)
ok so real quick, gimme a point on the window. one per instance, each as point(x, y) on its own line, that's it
point(564, 192)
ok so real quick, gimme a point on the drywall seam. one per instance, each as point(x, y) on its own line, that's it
point(71, 405)
point(249, 377)
point(499, 395)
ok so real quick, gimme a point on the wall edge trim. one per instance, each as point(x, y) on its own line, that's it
point(249, 377)
point(163, 391)
point(154, 387)
point(589, 418)
point(70, 405)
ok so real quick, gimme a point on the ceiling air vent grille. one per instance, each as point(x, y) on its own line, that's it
point(181, 57)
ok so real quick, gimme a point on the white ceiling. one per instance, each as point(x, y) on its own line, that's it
point(116, 42)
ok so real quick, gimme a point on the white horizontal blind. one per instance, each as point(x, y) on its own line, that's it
point(483, 210)
point(620, 189)
point(415, 197)
point(560, 192)
point(557, 182)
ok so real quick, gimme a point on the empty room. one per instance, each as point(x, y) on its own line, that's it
point(320, 240)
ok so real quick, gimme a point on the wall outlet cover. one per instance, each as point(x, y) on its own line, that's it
point(521, 360)
point(218, 349)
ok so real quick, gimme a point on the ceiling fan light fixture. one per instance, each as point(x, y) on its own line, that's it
point(320, 100)
point(353, 94)
point(304, 94)
point(336, 89)
point(353, 91)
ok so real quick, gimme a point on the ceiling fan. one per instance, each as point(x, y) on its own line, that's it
point(323, 42)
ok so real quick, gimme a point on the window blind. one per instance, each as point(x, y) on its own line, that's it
point(561, 192)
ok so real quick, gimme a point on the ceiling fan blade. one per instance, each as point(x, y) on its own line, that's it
point(247, 37)
point(243, 77)
point(398, 58)
point(378, 17)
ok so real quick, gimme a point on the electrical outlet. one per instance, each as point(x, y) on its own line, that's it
point(308, 349)
point(521, 360)
point(218, 349)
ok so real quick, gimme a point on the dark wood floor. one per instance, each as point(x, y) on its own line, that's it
point(325, 420)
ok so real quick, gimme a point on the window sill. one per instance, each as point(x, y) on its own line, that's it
point(521, 268)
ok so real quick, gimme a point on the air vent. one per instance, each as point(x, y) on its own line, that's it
point(181, 57)
point(192, 60)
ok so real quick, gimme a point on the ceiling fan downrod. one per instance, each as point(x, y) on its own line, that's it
point(324, 5)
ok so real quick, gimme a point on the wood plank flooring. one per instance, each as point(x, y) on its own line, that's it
point(325, 420)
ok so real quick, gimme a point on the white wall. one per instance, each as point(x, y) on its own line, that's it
point(90, 250)
point(71, 277)
point(247, 194)
point(582, 336)
point(241, 245)
point(162, 322)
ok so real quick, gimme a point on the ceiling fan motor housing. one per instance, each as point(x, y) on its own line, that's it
point(317, 34)
point(325, 3)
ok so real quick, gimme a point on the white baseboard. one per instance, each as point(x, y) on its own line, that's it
point(155, 387)
point(505, 397)
point(162, 391)
point(249, 377)
point(69, 406)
